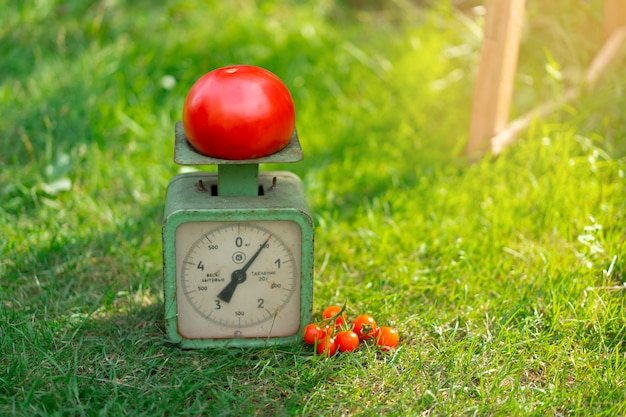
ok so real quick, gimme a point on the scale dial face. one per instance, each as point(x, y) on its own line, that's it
point(238, 279)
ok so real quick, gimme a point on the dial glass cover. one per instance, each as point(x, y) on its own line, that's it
point(238, 279)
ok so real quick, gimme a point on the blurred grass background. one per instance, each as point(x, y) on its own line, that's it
point(505, 277)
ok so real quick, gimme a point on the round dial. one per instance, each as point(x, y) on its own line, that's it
point(239, 279)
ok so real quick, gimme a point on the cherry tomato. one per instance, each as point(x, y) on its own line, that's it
point(347, 341)
point(364, 326)
point(312, 333)
point(387, 338)
point(327, 346)
point(333, 311)
point(327, 330)
point(239, 112)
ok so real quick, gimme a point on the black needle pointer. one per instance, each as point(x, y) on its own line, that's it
point(239, 276)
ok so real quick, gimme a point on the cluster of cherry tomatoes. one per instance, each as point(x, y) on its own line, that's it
point(334, 333)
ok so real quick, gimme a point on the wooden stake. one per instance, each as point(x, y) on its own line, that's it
point(498, 62)
point(614, 16)
point(598, 66)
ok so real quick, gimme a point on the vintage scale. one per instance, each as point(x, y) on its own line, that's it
point(237, 251)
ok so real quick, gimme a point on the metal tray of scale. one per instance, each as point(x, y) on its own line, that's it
point(185, 154)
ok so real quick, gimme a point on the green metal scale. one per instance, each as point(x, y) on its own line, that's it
point(237, 251)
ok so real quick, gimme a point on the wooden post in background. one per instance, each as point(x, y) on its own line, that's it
point(614, 16)
point(490, 129)
point(615, 29)
point(496, 73)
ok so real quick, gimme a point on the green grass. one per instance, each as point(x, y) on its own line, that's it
point(505, 277)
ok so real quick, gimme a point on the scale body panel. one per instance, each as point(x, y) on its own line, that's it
point(238, 270)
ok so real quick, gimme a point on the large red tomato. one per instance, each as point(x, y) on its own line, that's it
point(239, 112)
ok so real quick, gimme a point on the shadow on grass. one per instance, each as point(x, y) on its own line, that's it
point(120, 360)
point(218, 381)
